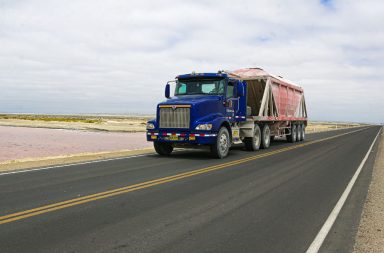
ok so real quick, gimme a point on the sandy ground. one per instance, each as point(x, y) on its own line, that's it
point(27, 143)
point(315, 127)
point(370, 236)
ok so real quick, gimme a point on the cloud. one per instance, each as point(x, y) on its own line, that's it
point(115, 56)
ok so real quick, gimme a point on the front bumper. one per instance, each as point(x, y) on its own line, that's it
point(198, 138)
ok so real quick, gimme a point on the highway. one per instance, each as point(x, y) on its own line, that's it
point(273, 200)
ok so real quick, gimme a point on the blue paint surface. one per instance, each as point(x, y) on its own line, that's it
point(217, 110)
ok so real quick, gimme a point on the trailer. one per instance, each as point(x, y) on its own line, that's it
point(274, 103)
point(249, 106)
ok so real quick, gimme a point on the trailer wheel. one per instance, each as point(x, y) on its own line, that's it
point(163, 148)
point(292, 137)
point(302, 132)
point(253, 143)
point(265, 137)
point(221, 148)
point(299, 133)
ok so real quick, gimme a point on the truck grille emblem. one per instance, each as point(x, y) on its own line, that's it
point(173, 107)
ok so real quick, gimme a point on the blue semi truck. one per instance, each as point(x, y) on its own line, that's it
point(217, 110)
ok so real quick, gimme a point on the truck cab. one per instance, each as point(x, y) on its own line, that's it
point(204, 111)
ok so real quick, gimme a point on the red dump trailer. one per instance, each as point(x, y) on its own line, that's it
point(274, 102)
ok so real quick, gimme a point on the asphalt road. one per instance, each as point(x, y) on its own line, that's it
point(273, 200)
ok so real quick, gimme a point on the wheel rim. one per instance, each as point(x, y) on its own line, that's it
point(223, 143)
point(303, 133)
point(294, 133)
point(257, 140)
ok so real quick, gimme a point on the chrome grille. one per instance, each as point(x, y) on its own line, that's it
point(177, 117)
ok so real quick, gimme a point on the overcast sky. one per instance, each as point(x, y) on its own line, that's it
point(90, 56)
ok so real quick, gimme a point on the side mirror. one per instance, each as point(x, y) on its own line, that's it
point(167, 90)
point(240, 89)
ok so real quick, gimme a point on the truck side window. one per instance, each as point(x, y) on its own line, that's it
point(221, 86)
point(230, 90)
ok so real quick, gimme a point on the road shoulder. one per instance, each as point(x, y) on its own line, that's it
point(370, 235)
point(341, 237)
point(31, 163)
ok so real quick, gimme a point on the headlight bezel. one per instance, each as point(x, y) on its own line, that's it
point(204, 127)
point(150, 126)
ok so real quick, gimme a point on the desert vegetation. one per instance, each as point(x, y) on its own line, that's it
point(112, 123)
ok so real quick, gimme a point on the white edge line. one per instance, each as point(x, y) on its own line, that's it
point(79, 163)
point(72, 164)
point(320, 237)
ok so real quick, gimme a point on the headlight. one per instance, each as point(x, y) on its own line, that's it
point(204, 127)
point(150, 126)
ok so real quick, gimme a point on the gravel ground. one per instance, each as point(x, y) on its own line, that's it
point(370, 236)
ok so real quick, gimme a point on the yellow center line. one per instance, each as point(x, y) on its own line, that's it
point(130, 188)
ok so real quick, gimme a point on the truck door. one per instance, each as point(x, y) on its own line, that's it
point(232, 103)
point(241, 94)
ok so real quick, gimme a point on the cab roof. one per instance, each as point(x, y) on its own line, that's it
point(209, 75)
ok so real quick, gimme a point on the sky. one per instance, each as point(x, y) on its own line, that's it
point(115, 57)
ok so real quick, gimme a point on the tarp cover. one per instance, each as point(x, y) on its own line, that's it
point(249, 73)
point(257, 73)
point(283, 98)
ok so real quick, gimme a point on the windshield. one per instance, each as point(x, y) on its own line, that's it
point(199, 86)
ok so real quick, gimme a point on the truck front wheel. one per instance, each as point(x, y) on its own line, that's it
point(221, 148)
point(163, 148)
point(253, 143)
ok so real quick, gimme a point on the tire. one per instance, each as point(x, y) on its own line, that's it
point(223, 141)
point(303, 132)
point(163, 148)
point(299, 133)
point(292, 137)
point(265, 137)
point(253, 143)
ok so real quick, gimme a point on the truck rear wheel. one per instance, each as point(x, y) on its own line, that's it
point(299, 133)
point(302, 132)
point(163, 148)
point(292, 137)
point(253, 143)
point(221, 148)
point(265, 137)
